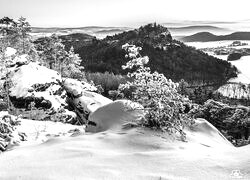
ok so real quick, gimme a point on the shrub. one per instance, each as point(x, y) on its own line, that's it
point(108, 81)
point(7, 127)
point(164, 106)
point(232, 121)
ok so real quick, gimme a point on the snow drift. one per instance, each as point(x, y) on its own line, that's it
point(128, 154)
point(114, 115)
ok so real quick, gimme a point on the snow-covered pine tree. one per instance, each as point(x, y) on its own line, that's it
point(164, 106)
point(72, 66)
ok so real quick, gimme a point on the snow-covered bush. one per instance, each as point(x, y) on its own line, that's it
point(232, 121)
point(8, 133)
point(164, 106)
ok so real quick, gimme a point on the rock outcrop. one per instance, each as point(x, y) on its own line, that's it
point(35, 83)
point(82, 98)
point(68, 100)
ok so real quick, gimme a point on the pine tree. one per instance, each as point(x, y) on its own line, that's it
point(51, 52)
point(23, 29)
point(6, 61)
point(72, 66)
point(164, 107)
point(16, 35)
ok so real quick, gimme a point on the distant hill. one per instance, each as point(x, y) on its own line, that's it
point(188, 30)
point(168, 56)
point(207, 36)
point(55, 29)
point(98, 31)
point(116, 30)
point(77, 40)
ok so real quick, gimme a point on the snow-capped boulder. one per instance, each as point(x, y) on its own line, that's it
point(10, 52)
point(76, 88)
point(82, 98)
point(33, 82)
point(114, 115)
point(21, 60)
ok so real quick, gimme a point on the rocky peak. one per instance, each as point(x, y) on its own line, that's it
point(155, 31)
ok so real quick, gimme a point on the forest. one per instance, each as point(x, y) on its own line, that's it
point(168, 56)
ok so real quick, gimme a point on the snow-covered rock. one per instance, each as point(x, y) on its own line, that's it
point(33, 82)
point(81, 97)
point(21, 60)
point(10, 51)
point(76, 88)
point(114, 115)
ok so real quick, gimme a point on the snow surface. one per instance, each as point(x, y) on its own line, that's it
point(131, 153)
point(125, 154)
point(117, 151)
point(40, 131)
point(233, 89)
point(212, 44)
point(114, 114)
point(243, 65)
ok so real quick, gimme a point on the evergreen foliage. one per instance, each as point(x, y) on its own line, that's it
point(164, 106)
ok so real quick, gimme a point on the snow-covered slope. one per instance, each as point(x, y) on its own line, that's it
point(238, 87)
point(40, 131)
point(134, 153)
point(214, 44)
point(242, 65)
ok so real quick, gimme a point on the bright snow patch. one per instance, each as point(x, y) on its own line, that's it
point(214, 44)
point(114, 114)
point(10, 51)
point(243, 65)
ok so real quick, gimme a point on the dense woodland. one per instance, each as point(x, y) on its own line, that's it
point(168, 56)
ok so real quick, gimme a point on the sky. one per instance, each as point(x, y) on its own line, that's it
point(126, 13)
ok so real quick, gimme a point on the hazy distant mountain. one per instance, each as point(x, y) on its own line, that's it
point(207, 36)
point(77, 40)
point(98, 31)
point(190, 30)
